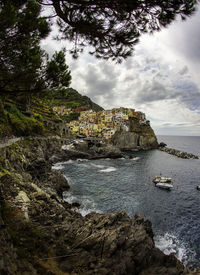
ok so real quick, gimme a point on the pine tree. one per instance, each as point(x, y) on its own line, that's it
point(21, 58)
point(113, 27)
point(57, 72)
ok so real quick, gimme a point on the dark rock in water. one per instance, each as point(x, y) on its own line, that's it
point(76, 204)
point(178, 153)
point(162, 144)
point(58, 182)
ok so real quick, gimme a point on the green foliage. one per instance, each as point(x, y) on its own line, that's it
point(21, 124)
point(112, 28)
point(38, 117)
point(71, 99)
point(70, 117)
point(57, 72)
point(21, 29)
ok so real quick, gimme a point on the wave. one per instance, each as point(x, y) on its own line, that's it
point(81, 164)
point(69, 161)
point(136, 158)
point(86, 205)
point(97, 165)
point(69, 180)
point(169, 243)
point(81, 160)
point(58, 166)
point(108, 170)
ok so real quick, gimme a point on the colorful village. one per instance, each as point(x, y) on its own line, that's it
point(102, 124)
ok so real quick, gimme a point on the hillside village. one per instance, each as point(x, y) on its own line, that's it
point(102, 124)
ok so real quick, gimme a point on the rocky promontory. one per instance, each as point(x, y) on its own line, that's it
point(139, 137)
point(42, 234)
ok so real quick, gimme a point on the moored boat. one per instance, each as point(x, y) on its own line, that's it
point(164, 185)
point(160, 179)
point(163, 182)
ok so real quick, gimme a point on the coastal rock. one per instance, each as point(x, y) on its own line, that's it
point(139, 137)
point(58, 182)
point(105, 151)
point(116, 244)
point(162, 144)
point(178, 153)
point(134, 141)
point(57, 240)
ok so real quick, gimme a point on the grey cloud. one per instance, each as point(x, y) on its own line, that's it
point(189, 95)
point(98, 82)
point(154, 91)
point(186, 36)
point(108, 70)
point(150, 60)
point(184, 70)
point(167, 124)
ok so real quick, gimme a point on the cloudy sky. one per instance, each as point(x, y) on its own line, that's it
point(161, 79)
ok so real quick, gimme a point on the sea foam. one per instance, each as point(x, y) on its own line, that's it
point(58, 166)
point(108, 170)
point(169, 243)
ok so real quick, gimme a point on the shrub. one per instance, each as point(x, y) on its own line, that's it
point(22, 125)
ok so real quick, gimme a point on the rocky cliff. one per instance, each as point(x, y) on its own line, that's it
point(41, 234)
point(139, 137)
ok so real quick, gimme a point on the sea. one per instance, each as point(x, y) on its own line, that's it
point(110, 185)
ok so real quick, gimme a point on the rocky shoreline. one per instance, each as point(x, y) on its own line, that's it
point(177, 153)
point(41, 234)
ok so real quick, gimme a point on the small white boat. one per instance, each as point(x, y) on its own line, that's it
point(164, 185)
point(160, 179)
point(163, 182)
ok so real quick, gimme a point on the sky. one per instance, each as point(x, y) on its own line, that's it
point(161, 79)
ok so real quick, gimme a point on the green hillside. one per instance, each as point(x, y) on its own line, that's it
point(73, 99)
point(25, 115)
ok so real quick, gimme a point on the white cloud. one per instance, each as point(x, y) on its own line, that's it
point(161, 79)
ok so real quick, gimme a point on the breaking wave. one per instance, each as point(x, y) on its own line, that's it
point(169, 243)
point(86, 205)
point(58, 166)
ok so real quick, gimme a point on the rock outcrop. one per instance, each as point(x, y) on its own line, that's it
point(41, 234)
point(140, 137)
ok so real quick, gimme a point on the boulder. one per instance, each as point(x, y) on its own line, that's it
point(162, 144)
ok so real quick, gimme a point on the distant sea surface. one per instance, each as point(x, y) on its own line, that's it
point(107, 185)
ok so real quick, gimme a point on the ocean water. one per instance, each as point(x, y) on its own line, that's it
point(107, 185)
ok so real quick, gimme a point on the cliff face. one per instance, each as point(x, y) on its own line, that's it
point(139, 137)
point(41, 234)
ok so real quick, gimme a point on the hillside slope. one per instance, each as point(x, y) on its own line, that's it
point(73, 99)
point(25, 114)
